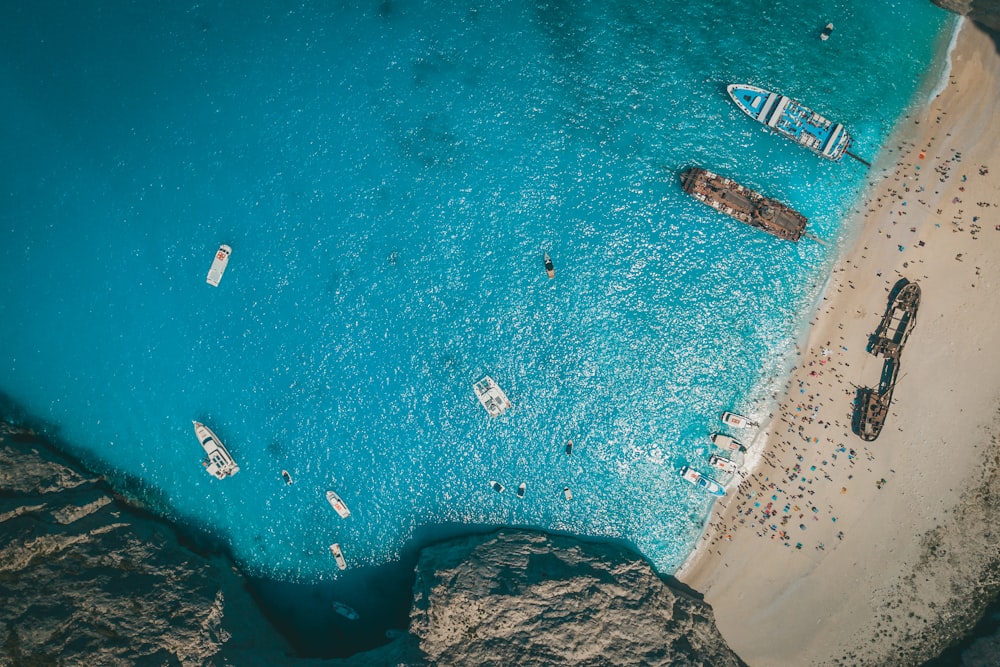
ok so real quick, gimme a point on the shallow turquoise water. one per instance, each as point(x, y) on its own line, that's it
point(388, 178)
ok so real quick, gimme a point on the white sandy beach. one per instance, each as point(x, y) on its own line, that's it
point(840, 551)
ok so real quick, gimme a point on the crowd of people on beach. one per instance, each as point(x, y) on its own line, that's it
point(778, 501)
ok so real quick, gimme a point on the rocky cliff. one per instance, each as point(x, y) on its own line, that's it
point(984, 12)
point(85, 580)
point(523, 598)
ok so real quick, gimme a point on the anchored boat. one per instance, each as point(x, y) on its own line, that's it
point(724, 464)
point(218, 461)
point(793, 120)
point(491, 396)
point(219, 265)
point(726, 442)
point(706, 484)
point(744, 204)
point(549, 266)
point(345, 611)
point(338, 555)
point(737, 421)
point(337, 504)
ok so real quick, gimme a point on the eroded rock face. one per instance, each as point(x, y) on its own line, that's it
point(86, 580)
point(984, 12)
point(523, 598)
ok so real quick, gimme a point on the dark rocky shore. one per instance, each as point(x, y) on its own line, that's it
point(87, 579)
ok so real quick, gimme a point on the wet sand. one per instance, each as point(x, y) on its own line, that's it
point(840, 551)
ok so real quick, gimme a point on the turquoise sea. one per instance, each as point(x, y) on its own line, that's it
point(389, 176)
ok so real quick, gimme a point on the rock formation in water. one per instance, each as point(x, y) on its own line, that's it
point(524, 598)
point(85, 580)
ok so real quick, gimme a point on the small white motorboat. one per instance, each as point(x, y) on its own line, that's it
point(567, 494)
point(338, 504)
point(550, 268)
point(338, 555)
point(728, 443)
point(219, 265)
point(706, 484)
point(827, 31)
point(219, 463)
point(491, 396)
point(345, 611)
point(497, 486)
point(724, 464)
point(736, 421)
point(521, 489)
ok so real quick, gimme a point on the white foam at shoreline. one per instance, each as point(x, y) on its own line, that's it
point(942, 81)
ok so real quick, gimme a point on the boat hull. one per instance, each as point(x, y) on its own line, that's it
point(337, 504)
point(219, 265)
point(338, 555)
point(706, 484)
point(491, 396)
point(791, 119)
point(218, 463)
point(743, 204)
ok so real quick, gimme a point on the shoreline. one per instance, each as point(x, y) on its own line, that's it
point(842, 547)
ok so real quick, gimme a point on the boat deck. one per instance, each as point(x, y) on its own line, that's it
point(790, 118)
point(744, 204)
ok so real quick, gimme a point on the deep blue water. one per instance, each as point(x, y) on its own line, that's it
point(389, 177)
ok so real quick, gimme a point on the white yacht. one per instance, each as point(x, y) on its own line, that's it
point(720, 462)
point(736, 421)
point(218, 461)
point(707, 484)
point(727, 442)
point(491, 396)
point(338, 504)
point(219, 265)
point(338, 555)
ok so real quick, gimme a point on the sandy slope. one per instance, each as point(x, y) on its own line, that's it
point(873, 549)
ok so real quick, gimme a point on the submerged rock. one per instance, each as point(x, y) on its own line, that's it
point(86, 580)
point(524, 598)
